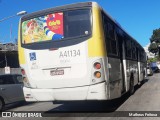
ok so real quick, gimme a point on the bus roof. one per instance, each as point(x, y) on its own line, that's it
point(61, 8)
point(75, 5)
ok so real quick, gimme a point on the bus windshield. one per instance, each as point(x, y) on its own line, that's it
point(57, 26)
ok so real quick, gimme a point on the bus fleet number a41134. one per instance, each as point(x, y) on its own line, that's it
point(69, 53)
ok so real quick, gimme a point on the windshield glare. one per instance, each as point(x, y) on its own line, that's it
point(57, 26)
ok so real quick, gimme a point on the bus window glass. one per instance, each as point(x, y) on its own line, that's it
point(56, 26)
point(128, 48)
point(78, 23)
point(48, 27)
point(113, 46)
point(112, 40)
point(134, 56)
point(110, 31)
point(142, 56)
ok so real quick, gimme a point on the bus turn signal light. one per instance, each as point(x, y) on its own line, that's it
point(97, 74)
point(97, 65)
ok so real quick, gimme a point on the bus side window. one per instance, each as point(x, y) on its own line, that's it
point(113, 43)
point(110, 36)
point(119, 37)
point(112, 39)
point(134, 56)
point(142, 57)
point(110, 31)
point(128, 48)
point(105, 28)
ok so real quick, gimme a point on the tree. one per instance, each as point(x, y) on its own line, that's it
point(155, 36)
point(153, 48)
point(155, 42)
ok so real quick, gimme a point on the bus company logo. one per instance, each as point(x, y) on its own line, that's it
point(32, 56)
point(6, 114)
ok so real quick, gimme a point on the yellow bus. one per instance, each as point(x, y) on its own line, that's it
point(77, 52)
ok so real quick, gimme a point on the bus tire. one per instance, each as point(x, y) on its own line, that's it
point(131, 89)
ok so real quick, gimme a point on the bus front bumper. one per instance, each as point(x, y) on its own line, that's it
point(92, 92)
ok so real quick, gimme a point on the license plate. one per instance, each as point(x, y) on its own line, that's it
point(56, 72)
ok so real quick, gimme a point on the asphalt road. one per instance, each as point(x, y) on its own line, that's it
point(145, 101)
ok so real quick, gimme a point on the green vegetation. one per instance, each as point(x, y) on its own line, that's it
point(152, 60)
point(155, 43)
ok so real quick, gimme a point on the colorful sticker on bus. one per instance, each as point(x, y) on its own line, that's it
point(49, 27)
